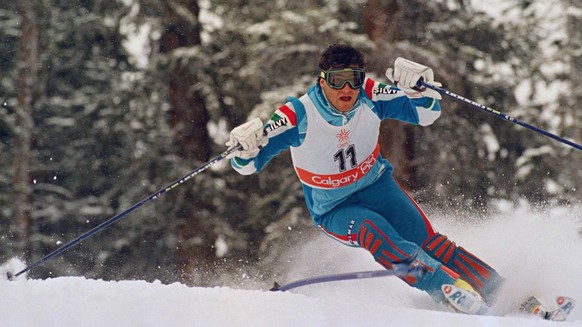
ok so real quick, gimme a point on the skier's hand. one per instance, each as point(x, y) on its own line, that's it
point(250, 136)
point(406, 74)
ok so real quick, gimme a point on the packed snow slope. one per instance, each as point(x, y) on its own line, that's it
point(537, 252)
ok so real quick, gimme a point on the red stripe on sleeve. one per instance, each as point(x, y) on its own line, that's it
point(290, 114)
point(369, 87)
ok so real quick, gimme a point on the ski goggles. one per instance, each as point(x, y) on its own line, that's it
point(337, 78)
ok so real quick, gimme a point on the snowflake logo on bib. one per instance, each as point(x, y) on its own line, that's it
point(343, 138)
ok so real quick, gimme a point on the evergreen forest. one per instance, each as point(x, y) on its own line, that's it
point(104, 102)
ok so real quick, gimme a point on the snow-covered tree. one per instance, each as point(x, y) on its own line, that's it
point(132, 94)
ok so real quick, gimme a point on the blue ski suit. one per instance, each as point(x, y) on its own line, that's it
point(362, 205)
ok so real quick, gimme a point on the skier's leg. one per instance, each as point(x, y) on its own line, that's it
point(409, 221)
point(389, 200)
point(480, 275)
point(357, 225)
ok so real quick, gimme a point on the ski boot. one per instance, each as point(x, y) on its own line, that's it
point(463, 298)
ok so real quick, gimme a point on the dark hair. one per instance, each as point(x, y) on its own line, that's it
point(341, 55)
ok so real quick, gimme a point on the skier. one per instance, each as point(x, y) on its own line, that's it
point(332, 132)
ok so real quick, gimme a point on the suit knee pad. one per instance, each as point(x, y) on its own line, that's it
point(473, 270)
point(371, 238)
point(389, 248)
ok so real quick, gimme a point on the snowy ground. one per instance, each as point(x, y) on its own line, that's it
point(538, 253)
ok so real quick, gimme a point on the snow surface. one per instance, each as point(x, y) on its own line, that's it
point(538, 252)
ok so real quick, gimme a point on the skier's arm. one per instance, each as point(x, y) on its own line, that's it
point(407, 102)
point(281, 132)
point(392, 103)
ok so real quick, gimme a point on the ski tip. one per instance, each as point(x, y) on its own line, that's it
point(565, 304)
point(560, 300)
point(534, 306)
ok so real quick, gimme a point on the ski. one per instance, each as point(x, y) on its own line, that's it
point(464, 301)
point(399, 269)
point(532, 305)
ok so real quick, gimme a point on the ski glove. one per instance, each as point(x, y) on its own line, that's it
point(406, 74)
point(250, 136)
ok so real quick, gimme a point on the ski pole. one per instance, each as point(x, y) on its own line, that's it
point(472, 103)
point(401, 268)
point(127, 211)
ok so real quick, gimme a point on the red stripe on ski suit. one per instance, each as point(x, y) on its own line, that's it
point(369, 87)
point(430, 230)
point(290, 114)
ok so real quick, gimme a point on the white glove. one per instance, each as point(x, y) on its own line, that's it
point(406, 74)
point(250, 136)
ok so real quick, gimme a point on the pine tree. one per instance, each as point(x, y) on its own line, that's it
point(113, 123)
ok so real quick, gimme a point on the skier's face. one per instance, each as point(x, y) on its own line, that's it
point(342, 99)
